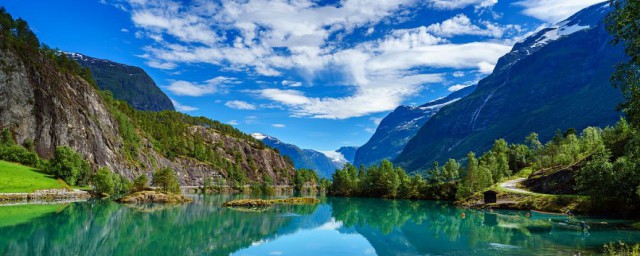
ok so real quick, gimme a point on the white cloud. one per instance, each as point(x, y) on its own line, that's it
point(238, 104)
point(370, 130)
point(554, 10)
point(376, 120)
point(210, 86)
point(291, 83)
point(457, 4)
point(462, 25)
point(124, 30)
point(233, 122)
point(458, 87)
point(182, 108)
point(269, 37)
point(279, 125)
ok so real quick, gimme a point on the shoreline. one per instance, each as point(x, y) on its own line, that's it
point(48, 195)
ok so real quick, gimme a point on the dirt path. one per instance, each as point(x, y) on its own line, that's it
point(512, 185)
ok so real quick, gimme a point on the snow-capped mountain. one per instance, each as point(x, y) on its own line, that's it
point(323, 162)
point(397, 128)
point(558, 78)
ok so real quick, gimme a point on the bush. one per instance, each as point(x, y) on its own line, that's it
point(167, 180)
point(110, 183)
point(19, 154)
point(103, 181)
point(140, 183)
point(69, 166)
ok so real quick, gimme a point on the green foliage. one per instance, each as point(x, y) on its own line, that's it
point(103, 181)
point(621, 249)
point(107, 182)
point(140, 183)
point(69, 166)
point(167, 180)
point(624, 23)
point(305, 179)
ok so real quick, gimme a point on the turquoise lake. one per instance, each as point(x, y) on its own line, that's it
point(336, 226)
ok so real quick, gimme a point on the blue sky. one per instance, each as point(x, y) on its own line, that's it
point(318, 74)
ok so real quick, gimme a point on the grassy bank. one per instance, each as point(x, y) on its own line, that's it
point(530, 201)
point(16, 178)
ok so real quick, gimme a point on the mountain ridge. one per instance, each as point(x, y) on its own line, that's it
point(545, 83)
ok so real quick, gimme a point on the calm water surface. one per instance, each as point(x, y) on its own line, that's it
point(336, 226)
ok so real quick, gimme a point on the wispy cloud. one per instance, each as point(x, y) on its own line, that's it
point(554, 10)
point(182, 108)
point(279, 125)
point(238, 104)
point(266, 38)
point(210, 86)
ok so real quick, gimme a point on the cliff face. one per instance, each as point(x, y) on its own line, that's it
point(40, 102)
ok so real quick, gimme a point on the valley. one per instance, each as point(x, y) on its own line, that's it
point(538, 154)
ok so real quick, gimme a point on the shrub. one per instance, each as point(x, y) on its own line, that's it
point(140, 183)
point(167, 180)
point(69, 166)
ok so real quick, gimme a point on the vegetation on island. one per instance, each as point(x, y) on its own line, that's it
point(252, 203)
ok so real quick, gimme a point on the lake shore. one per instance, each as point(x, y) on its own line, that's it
point(46, 195)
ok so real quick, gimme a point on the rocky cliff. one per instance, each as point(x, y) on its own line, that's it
point(40, 101)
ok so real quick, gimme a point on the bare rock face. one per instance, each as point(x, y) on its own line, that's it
point(54, 108)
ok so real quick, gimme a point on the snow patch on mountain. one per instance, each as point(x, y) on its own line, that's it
point(561, 30)
point(258, 136)
point(438, 106)
point(335, 157)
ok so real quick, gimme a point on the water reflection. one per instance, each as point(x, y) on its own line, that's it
point(337, 226)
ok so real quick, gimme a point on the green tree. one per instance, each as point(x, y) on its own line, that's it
point(624, 23)
point(167, 180)
point(103, 181)
point(140, 183)
point(451, 170)
point(69, 166)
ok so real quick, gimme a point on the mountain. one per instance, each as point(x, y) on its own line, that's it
point(349, 153)
point(49, 100)
point(127, 83)
point(555, 79)
point(397, 128)
point(324, 163)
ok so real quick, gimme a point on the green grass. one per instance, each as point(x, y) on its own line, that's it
point(16, 178)
point(18, 214)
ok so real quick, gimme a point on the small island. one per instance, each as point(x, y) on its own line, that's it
point(269, 202)
point(151, 196)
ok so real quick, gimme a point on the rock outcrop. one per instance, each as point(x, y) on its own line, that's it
point(43, 103)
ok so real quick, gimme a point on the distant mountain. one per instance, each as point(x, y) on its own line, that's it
point(324, 163)
point(555, 79)
point(349, 153)
point(397, 128)
point(127, 83)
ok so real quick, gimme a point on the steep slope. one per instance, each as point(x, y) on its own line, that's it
point(44, 99)
point(127, 83)
point(555, 79)
point(310, 159)
point(397, 128)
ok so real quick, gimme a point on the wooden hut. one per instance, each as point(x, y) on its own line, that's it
point(490, 197)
